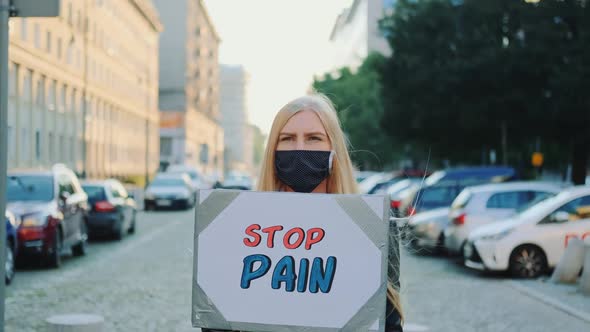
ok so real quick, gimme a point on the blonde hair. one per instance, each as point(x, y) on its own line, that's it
point(341, 179)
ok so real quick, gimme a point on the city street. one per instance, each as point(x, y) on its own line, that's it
point(143, 283)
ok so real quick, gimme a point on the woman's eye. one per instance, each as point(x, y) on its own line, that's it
point(315, 138)
point(285, 139)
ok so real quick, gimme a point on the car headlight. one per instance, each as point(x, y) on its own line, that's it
point(496, 236)
point(14, 221)
point(35, 220)
point(149, 195)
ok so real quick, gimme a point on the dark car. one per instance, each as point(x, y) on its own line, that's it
point(52, 208)
point(442, 187)
point(11, 246)
point(112, 210)
point(170, 190)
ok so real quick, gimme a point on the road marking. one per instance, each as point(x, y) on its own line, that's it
point(550, 301)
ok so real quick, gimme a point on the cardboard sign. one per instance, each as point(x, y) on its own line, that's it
point(269, 261)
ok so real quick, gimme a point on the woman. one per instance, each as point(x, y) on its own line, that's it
point(307, 152)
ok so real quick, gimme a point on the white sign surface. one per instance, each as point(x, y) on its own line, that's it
point(288, 261)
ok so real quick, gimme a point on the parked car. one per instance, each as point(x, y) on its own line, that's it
point(11, 246)
point(414, 175)
point(197, 181)
point(480, 205)
point(425, 230)
point(52, 208)
point(170, 190)
point(236, 180)
point(112, 211)
point(534, 240)
point(442, 187)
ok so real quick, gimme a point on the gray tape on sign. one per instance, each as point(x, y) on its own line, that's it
point(370, 312)
point(205, 313)
point(215, 203)
point(371, 224)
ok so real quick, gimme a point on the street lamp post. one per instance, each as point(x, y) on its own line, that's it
point(8, 8)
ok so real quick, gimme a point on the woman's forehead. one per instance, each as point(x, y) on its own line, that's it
point(304, 121)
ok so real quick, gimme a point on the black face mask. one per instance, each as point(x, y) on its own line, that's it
point(303, 170)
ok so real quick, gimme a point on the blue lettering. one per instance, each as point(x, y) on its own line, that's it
point(247, 272)
point(320, 278)
point(284, 272)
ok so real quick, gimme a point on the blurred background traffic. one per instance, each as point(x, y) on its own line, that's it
point(470, 116)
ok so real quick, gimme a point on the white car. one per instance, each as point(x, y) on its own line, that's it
point(479, 205)
point(534, 240)
point(197, 181)
point(425, 230)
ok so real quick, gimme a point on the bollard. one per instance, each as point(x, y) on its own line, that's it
point(585, 279)
point(75, 323)
point(570, 264)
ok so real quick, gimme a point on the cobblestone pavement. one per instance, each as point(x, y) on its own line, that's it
point(143, 283)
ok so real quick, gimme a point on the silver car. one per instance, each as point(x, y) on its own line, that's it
point(480, 205)
point(170, 190)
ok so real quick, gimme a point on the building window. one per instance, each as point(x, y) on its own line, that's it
point(24, 144)
point(48, 42)
point(70, 53)
point(51, 148)
point(62, 98)
point(11, 143)
point(12, 79)
point(37, 36)
point(70, 13)
point(23, 29)
point(166, 146)
point(28, 86)
point(52, 94)
point(204, 154)
point(40, 97)
point(73, 96)
point(37, 145)
point(59, 48)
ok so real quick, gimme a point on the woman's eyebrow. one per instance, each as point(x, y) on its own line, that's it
point(286, 134)
point(319, 133)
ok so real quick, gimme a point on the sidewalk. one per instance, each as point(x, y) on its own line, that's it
point(565, 297)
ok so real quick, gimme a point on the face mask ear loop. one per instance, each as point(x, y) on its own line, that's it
point(330, 161)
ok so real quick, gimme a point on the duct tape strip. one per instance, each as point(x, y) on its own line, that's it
point(371, 311)
point(204, 312)
point(365, 218)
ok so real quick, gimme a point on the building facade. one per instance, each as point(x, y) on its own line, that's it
point(82, 91)
point(191, 131)
point(234, 112)
point(356, 33)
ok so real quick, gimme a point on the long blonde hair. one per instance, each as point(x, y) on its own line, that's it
point(341, 179)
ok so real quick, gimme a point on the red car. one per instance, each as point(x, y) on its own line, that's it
point(52, 208)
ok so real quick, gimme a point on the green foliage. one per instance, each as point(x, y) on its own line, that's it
point(467, 74)
point(357, 97)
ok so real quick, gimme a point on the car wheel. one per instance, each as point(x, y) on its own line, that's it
point(9, 263)
point(54, 257)
point(80, 248)
point(440, 244)
point(527, 262)
point(133, 223)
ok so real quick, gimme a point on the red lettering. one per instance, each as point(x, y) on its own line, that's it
point(587, 234)
point(270, 241)
point(250, 231)
point(287, 238)
point(319, 235)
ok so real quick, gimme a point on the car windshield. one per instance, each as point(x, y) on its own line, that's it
point(95, 193)
point(29, 188)
point(432, 197)
point(167, 182)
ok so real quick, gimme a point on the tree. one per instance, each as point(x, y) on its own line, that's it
point(357, 98)
point(467, 76)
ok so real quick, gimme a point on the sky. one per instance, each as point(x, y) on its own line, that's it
point(280, 43)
